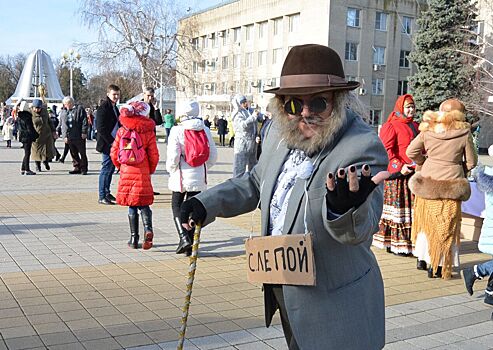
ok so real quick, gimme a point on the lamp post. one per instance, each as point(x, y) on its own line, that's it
point(70, 59)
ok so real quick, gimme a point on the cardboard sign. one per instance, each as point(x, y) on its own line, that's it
point(286, 259)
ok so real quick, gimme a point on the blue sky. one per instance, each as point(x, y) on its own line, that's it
point(50, 25)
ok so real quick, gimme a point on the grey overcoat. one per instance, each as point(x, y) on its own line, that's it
point(345, 310)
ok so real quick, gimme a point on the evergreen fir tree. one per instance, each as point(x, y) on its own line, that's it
point(442, 43)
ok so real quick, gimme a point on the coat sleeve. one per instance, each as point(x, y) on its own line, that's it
point(389, 140)
point(212, 149)
point(173, 153)
point(240, 122)
point(152, 153)
point(415, 149)
point(114, 149)
point(470, 155)
point(63, 125)
point(84, 121)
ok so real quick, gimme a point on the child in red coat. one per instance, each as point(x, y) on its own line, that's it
point(134, 186)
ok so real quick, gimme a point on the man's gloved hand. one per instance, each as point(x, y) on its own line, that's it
point(346, 193)
point(192, 212)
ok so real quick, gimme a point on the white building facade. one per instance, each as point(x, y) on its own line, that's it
point(241, 45)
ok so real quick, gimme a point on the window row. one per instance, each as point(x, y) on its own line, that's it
point(381, 19)
point(234, 61)
point(213, 39)
point(351, 54)
point(244, 86)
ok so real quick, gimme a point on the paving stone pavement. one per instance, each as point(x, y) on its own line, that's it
point(69, 281)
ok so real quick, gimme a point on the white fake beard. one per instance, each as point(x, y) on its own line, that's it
point(323, 134)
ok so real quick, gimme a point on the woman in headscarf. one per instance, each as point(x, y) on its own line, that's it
point(395, 223)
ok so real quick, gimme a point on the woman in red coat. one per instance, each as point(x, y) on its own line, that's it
point(135, 187)
point(396, 135)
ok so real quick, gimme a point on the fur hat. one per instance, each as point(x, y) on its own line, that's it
point(452, 104)
point(190, 109)
point(310, 69)
point(133, 109)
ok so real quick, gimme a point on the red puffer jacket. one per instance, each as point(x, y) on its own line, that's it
point(134, 186)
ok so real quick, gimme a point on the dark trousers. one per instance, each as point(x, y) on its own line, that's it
point(78, 153)
point(177, 198)
point(9, 143)
point(65, 151)
point(222, 138)
point(286, 326)
point(27, 155)
point(168, 130)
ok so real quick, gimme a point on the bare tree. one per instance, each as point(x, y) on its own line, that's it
point(134, 29)
point(10, 73)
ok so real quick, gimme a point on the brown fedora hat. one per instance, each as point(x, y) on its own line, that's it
point(310, 69)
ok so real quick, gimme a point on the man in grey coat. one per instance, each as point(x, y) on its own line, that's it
point(307, 180)
point(73, 122)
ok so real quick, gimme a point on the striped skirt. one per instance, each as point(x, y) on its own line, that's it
point(395, 224)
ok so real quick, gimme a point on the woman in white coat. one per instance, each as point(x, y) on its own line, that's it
point(8, 131)
point(187, 176)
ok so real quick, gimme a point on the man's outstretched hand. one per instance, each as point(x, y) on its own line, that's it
point(346, 191)
point(192, 212)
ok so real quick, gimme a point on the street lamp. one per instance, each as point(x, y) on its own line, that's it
point(70, 59)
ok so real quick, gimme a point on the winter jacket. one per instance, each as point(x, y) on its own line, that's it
point(106, 119)
point(74, 128)
point(169, 121)
point(446, 139)
point(134, 185)
point(183, 177)
point(245, 127)
point(43, 148)
point(222, 126)
point(396, 134)
point(8, 129)
point(26, 128)
point(484, 178)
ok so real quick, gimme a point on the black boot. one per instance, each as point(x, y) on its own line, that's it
point(190, 233)
point(421, 265)
point(38, 165)
point(133, 220)
point(469, 279)
point(438, 273)
point(488, 298)
point(148, 233)
point(184, 243)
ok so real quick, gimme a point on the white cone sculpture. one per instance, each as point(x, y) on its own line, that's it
point(38, 80)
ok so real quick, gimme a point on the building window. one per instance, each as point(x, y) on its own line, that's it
point(377, 86)
point(351, 52)
point(249, 32)
point(351, 78)
point(401, 87)
point(262, 29)
point(381, 21)
point(375, 117)
point(224, 88)
point(352, 19)
point(236, 34)
point(276, 56)
point(204, 42)
point(403, 59)
point(262, 58)
point(277, 26)
point(249, 59)
point(195, 43)
point(378, 55)
point(406, 25)
point(195, 67)
point(211, 65)
point(213, 39)
point(224, 35)
point(225, 62)
point(203, 64)
point(273, 82)
point(294, 21)
point(236, 61)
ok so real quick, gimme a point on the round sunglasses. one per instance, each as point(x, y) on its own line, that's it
point(294, 106)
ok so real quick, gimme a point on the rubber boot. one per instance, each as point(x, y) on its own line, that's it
point(148, 233)
point(133, 220)
point(184, 243)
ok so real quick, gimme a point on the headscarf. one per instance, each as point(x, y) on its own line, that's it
point(398, 112)
point(135, 109)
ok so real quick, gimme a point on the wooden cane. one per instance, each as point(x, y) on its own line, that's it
point(191, 277)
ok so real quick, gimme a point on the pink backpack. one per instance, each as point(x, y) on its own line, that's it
point(131, 150)
point(196, 147)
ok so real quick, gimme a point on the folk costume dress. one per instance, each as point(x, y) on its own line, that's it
point(395, 224)
point(440, 186)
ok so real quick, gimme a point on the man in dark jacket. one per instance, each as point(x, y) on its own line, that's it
point(107, 125)
point(73, 122)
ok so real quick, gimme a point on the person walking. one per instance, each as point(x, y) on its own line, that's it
point(222, 129)
point(316, 141)
point(441, 185)
point(396, 134)
point(8, 130)
point(73, 120)
point(107, 125)
point(187, 179)
point(43, 149)
point(27, 134)
point(134, 185)
point(169, 122)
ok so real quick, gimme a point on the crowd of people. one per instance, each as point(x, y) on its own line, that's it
point(311, 164)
